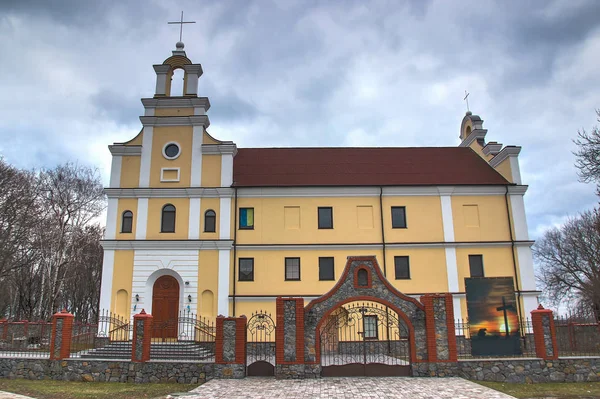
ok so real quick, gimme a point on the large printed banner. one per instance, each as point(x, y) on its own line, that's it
point(492, 310)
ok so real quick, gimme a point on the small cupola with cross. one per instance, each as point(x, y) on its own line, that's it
point(168, 70)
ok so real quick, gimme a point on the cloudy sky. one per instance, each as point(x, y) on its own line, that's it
point(312, 73)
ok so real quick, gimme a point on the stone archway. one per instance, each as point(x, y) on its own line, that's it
point(353, 285)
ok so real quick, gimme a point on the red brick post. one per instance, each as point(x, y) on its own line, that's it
point(230, 340)
point(544, 333)
point(3, 328)
point(439, 327)
point(60, 340)
point(282, 332)
point(142, 337)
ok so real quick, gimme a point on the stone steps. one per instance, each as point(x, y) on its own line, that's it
point(158, 351)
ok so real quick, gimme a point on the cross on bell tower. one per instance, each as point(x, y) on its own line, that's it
point(180, 23)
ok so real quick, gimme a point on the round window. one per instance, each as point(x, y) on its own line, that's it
point(171, 151)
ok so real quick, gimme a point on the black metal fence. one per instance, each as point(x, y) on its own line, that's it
point(577, 336)
point(187, 337)
point(473, 343)
point(25, 339)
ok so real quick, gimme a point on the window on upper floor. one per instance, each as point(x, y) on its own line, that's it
point(370, 326)
point(398, 217)
point(402, 267)
point(247, 218)
point(292, 269)
point(325, 217)
point(476, 265)
point(210, 221)
point(326, 270)
point(246, 271)
point(127, 222)
point(167, 224)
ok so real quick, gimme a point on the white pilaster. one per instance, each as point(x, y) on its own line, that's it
point(225, 219)
point(530, 302)
point(161, 78)
point(515, 169)
point(226, 170)
point(451, 263)
point(196, 175)
point(111, 219)
point(108, 265)
point(115, 171)
point(517, 205)
point(223, 297)
point(146, 156)
point(142, 219)
point(526, 274)
point(194, 222)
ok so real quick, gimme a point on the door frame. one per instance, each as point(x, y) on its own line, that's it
point(147, 298)
point(170, 324)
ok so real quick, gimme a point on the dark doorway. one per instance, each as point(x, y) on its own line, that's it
point(165, 307)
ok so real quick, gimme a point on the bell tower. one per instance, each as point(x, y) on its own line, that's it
point(166, 70)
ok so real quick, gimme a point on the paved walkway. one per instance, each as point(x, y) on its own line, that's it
point(347, 387)
point(8, 395)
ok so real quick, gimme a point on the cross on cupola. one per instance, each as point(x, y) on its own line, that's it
point(181, 22)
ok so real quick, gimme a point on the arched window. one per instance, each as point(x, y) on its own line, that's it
point(362, 278)
point(177, 83)
point(210, 219)
point(167, 224)
point(127, 222)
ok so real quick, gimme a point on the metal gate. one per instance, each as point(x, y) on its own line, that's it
point(364, 339)
point(260, 345)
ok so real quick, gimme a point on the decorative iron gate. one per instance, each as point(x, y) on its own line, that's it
point(364, 339)
point(261, 345)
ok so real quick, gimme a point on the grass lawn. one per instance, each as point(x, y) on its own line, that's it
point(48, 389)
point(548, 389)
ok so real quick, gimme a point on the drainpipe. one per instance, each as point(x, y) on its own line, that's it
point(382, 230)
point(235, 212)
point(514, 259)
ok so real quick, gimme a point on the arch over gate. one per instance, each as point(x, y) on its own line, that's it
point(375, 288)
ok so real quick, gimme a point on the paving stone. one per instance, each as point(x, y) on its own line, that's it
point(347, 387)
point(8, 395)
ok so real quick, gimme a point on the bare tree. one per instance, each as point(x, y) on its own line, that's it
point(588, 155)
point(569, 260)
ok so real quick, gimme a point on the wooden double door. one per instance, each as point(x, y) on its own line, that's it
point(165, 307)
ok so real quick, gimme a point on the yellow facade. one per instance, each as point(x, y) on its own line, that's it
point(182, 135)
point(155, 206)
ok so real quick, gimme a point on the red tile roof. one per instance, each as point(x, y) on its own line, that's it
point(377, 166)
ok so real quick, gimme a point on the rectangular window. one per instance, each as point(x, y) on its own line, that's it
point(246, 269)
point(247, 218)
point(370, 327)
point(326, 271)
point(398, 217)
point(476, 265)
point(292, 269)
point(402, 267)
point(326, 217)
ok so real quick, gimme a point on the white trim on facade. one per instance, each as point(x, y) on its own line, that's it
point(225, 219)
point(508, 151)
point(194, 220)
point(168, 144)
point(115, 171)
point(530, 302)
point(121, 149)
point(476, 134)
point(190, 192)
point(193, 120)
point(149, 265)
point(447, 221)
point(111, 219)
point(223, 283)
point(141, 219)
point(196, 172)
point(226, 170)
point(517, 205)
point(225, 147)
point(516, 170)
point(176, 102)
point(146, 157)
point(142, 244)
point(450, 252)
point(161, 78)
point(526, 273)
point(108, 266)
point(162, 175)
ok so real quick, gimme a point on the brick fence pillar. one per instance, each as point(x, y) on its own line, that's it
point(289, 338)
point(60, 340)
point(439, 326)
point(142, 337)
point(3, 328)
point(230, 347)
point(544, 333)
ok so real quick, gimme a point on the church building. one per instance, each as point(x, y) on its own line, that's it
point(196, 224)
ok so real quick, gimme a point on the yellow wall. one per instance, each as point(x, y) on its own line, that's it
point(497, 262)
point(126, 204)
point(427, 270)
point(423, 219)
point(161, 136)
point(173, 111)
point(208, 275)
point(182, 216)
point(493, 222)
point(130, 171)
point(505, 170)
point(211, 170)
point(208, 139)
point(137, 140)
point(122, 279)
